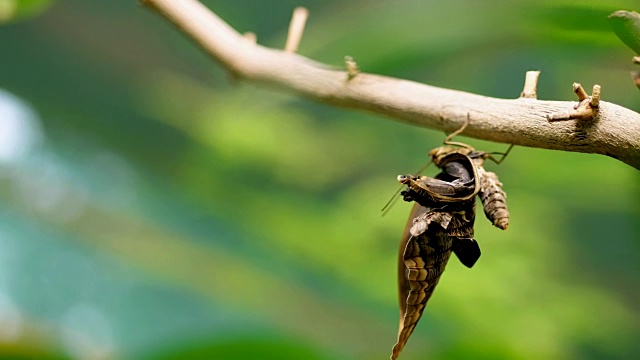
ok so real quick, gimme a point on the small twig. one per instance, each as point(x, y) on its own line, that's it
point(595, 97)
point(579, 90)
point(585, 109)
point(296, 28)
point(570, 115)
point(352, 67)
point(530, 85)
point(251, 37)
point(635, 76)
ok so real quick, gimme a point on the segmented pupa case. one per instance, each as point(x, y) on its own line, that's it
point(494, 199)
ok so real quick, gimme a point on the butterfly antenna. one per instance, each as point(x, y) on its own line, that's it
point(385, 210)
point(424, 167)
point(448, 141)
point(504, 155)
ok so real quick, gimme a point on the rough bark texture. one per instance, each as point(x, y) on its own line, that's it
point(614, 131)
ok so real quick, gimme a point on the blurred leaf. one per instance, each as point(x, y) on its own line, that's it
point(29, 347)
point(259, 347)
point(626, 24)
point(21, 9)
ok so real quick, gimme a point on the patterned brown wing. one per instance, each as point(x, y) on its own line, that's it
point(423, 261)
point(453, 189)
point(429, 238)
point(403, 282)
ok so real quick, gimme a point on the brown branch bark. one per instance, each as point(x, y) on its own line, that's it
point(613, 131)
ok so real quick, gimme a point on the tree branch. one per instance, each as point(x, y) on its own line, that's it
point(612, 130)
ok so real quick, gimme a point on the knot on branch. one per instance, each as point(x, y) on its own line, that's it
point(352, 67)
point(586, 109)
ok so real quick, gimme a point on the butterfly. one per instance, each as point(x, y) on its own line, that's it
point(441, 222)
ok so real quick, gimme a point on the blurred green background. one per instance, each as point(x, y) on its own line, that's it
point(152, 207)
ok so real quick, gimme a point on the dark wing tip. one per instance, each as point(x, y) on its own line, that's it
point(467, 250)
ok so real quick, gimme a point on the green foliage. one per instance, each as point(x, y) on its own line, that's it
point(242, 348)
point(626, 24)
point(157, 209)
point(21, 9)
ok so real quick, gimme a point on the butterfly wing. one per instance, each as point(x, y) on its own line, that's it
point(467, 250)
point(403, 282)
point(422, 261)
